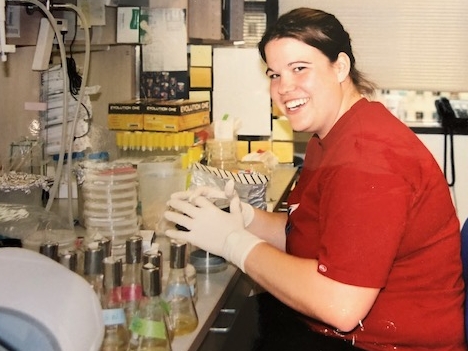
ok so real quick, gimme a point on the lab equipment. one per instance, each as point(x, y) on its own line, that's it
point(53, 307)
point(183, 315)
point(150, 330)
point(115, 332)
point(131, 281)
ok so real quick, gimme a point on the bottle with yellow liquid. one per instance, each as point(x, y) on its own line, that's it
point(115, 331)
point(149, 327)
point(178, 295)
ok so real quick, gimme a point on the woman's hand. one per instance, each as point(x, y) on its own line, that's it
point(212, 229)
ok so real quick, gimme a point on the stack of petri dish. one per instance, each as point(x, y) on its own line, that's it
point(110, 205)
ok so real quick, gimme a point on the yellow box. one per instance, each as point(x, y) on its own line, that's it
point(125, 121)
point(281, 129)
point(201, 55)
point(263, 145)
point(275, 111)
point(242, 148)
point(167, 123)
point(284, 150)
point(200, 77)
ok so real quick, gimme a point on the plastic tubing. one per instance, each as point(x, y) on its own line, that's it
point(81, 94)
point(2, 31)
point(58, 172)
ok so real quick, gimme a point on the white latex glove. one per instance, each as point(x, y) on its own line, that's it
point(212, 229)
point(210, 192)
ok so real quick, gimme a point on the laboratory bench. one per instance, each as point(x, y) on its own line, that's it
point(221, 294)
point(235, 314)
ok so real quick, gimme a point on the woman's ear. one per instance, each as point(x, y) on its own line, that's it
point(343, 66)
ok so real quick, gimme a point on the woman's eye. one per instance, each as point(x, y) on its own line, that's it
point(273, 76)
point(298, 69)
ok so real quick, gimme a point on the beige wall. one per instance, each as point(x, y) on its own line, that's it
point(113, 70)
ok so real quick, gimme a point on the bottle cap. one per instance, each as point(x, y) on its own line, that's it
point(154, 257)
point(50, 249)
point(69, 259)
point(112, 272)
point(106, 245)
point(93, 260)
point(133, 249)
point(151, 280)
point(178, 254)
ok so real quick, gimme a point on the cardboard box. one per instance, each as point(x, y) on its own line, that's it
point(204, 19)
point(168, 123)
point(175, 107)
point(123, 121)
point(128, 25)
point(159, 107)
point(134, 106)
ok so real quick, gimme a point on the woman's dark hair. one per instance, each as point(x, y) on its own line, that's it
point(322, 31)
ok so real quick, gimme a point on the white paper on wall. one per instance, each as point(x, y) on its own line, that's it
point(241, 89)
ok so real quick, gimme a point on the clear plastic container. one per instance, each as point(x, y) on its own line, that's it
point(159, 177)
point(221, 154)
point(110, 204)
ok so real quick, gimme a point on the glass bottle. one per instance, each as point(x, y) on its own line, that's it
point(106, 245)
point(69, 259)
point(50, 249)
point(182, 313)
point(115, 324)
point(131, 281)
point(92, 271)
point(149, 327)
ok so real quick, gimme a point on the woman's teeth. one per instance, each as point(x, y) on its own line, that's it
point(295, 103)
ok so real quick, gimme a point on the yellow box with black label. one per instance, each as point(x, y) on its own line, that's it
point(174, 123)
point(158, 115)
point(125, 121)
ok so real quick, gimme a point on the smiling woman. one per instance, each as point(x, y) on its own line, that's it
point(371, 228)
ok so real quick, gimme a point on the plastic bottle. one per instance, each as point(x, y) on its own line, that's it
point(182, 313)
point(131, 281)
point(116, 334)
point(149, 327)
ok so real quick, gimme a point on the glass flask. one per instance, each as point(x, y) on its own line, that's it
point(131, 281)
point(183, 317)
point(149, 327)
point(116, 334)
point(92, 270)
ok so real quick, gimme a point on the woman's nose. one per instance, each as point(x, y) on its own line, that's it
point(286, 85)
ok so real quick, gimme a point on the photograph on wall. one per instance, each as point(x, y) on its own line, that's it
point(167, 85)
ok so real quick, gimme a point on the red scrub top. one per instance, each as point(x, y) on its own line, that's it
point(373, 207)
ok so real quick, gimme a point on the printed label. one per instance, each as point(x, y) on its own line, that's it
point(113, 316)
point(131, 292)
point(148, 328)
point(174, 291)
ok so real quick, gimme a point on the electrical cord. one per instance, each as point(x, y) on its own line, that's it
point(74, 77)
point(448, 133)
